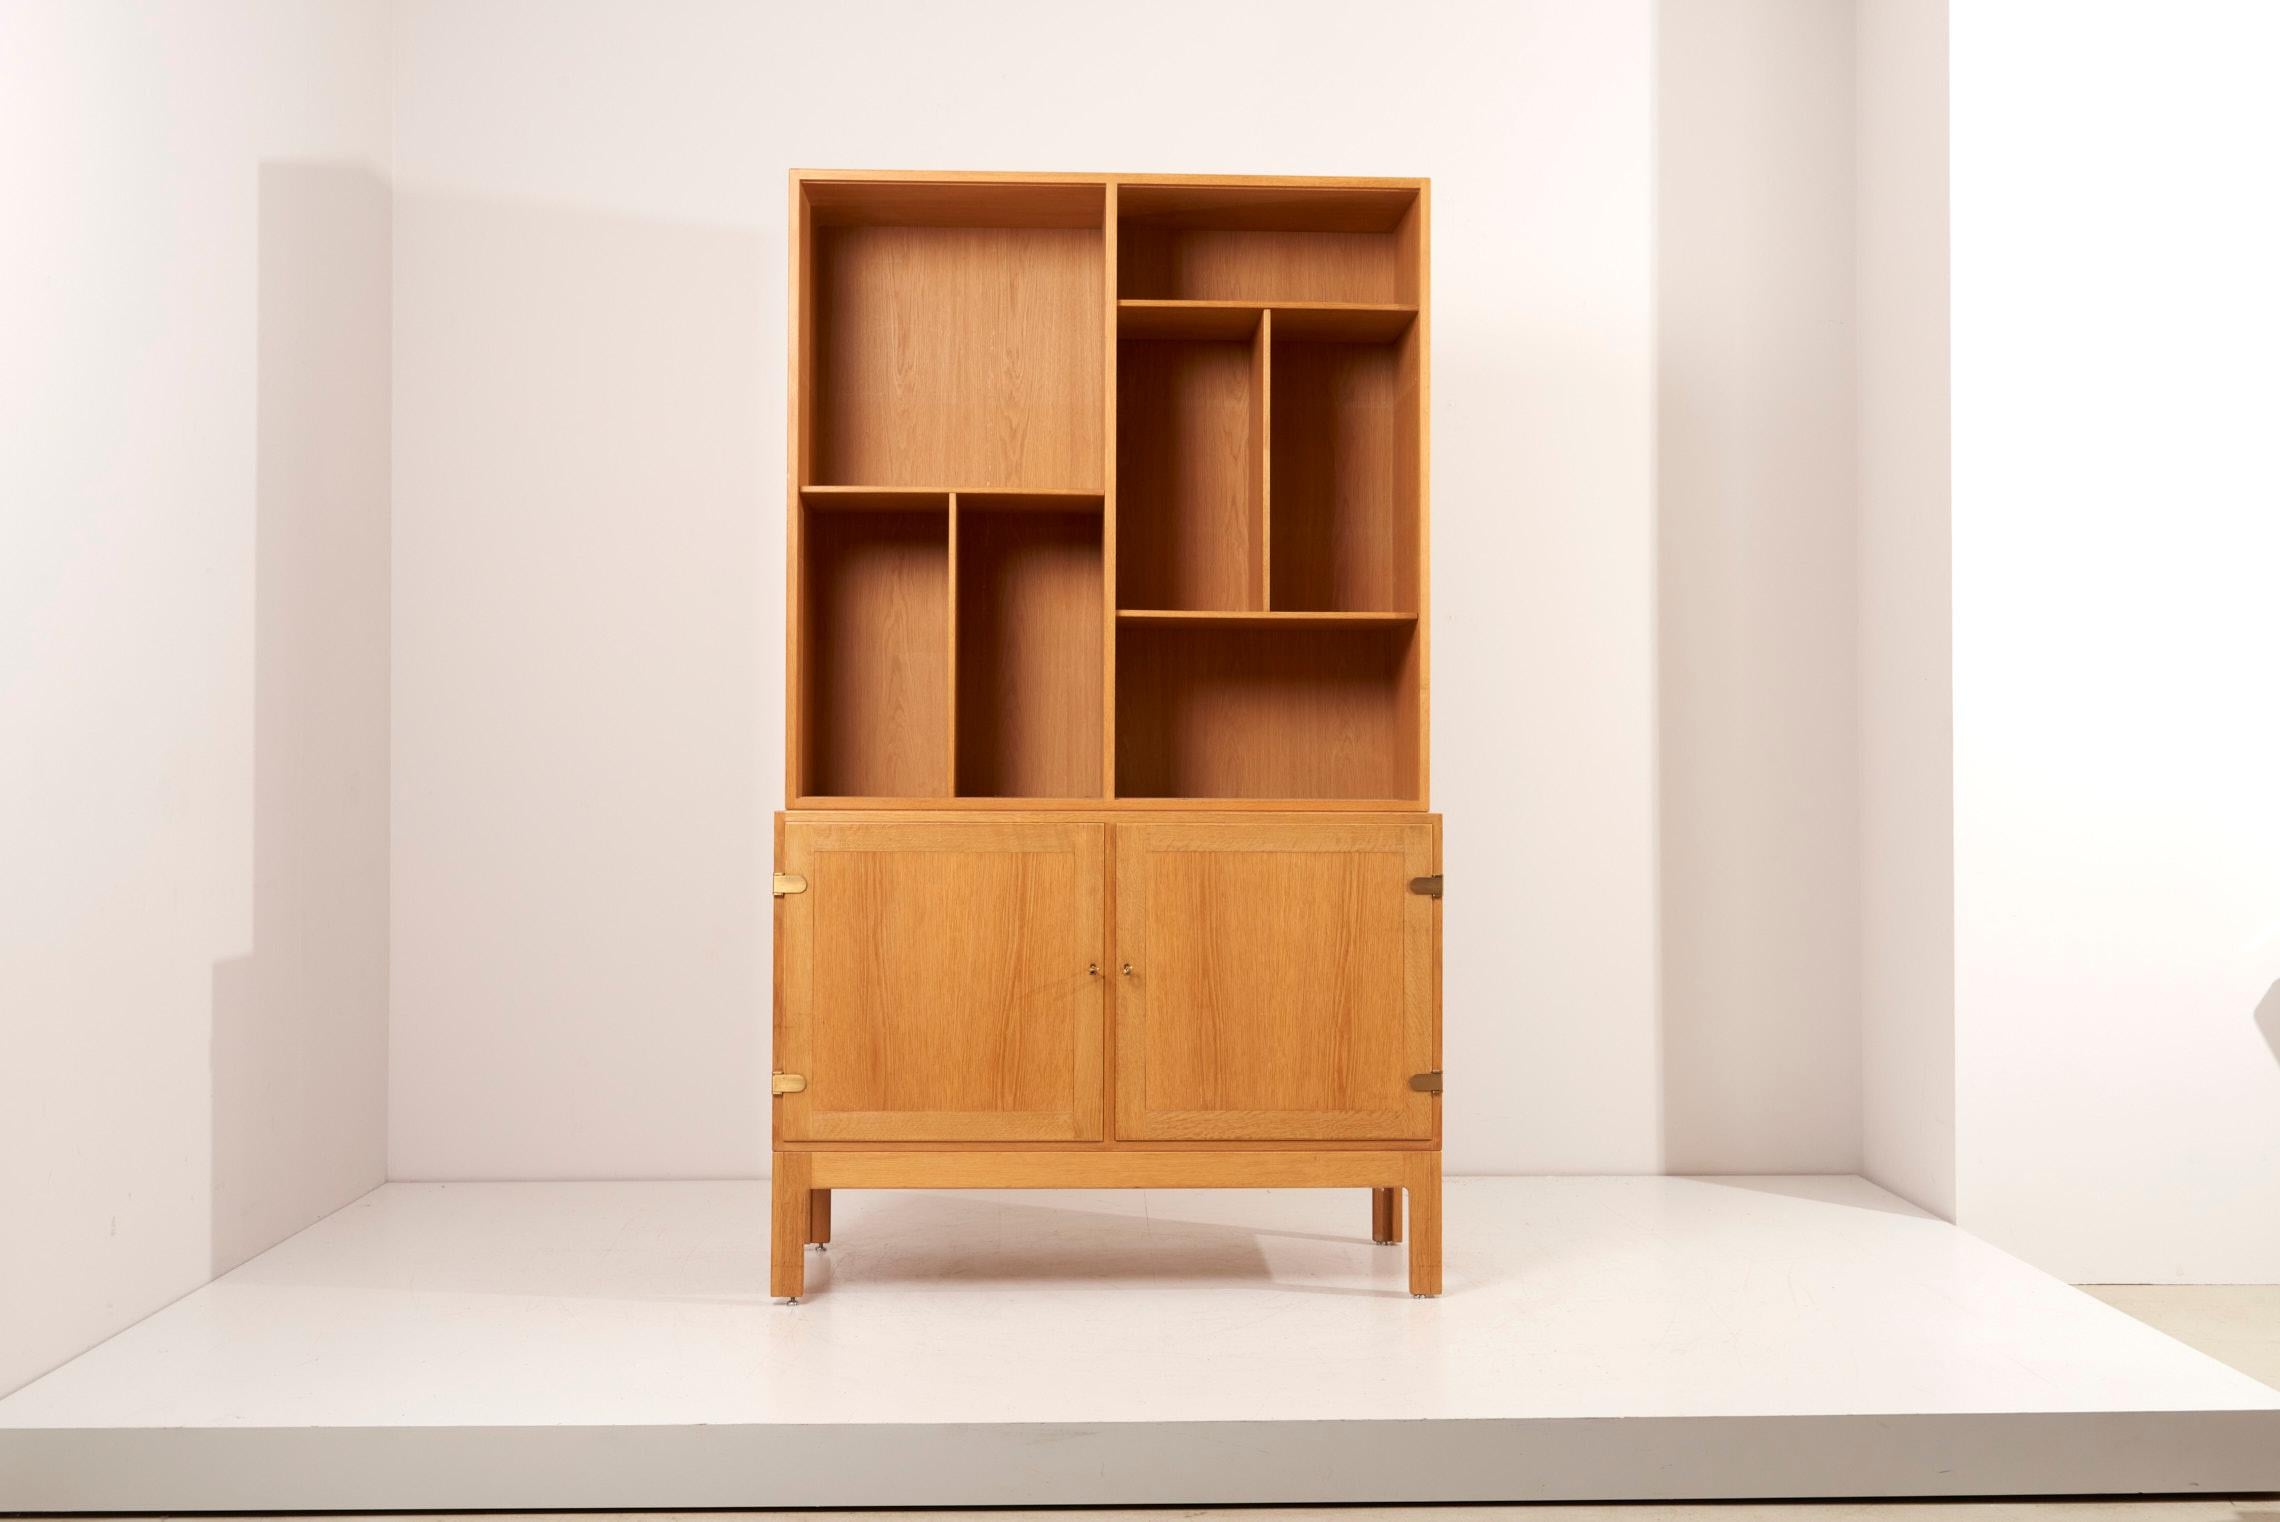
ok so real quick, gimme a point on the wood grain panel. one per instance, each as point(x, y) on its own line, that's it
point(943, 982)
point(1345, 520)
point(1169, 263)
point(1267, 205)
point(957, 356)
point(1187, 508)
point(955, 203)
point(1305, 1020)
point(1111, 1170)
point(1289, 711)
point(875, 640)
point(1029, 652)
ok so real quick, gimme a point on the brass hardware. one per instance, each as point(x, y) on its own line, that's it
point(785, 1083)
point(1092, 969)
point(790, 882)
point(1428, 887)
point(1426, 1083)
point(1128, 969)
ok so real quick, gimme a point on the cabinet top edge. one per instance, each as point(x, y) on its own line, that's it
point(1054, 177)
point(1105, 816)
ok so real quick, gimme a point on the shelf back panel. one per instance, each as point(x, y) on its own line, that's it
point(1214, 264)
point(1030, 711)
point(957, 356)
point(1189, 517)
point(1272, 713)
point(875, 635)
point(1345, 508)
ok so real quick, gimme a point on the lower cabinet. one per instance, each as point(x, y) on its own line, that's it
point(954, 981)
point(1120, 1002)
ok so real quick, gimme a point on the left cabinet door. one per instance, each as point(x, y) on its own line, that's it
point(942, 982)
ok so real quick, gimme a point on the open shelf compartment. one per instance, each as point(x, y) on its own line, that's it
point(1291, 711)
point(1030, 711)
point(1191, 469)
point(951, 333)
point(1345, 443)
point(872, 692)
point(1268, 243)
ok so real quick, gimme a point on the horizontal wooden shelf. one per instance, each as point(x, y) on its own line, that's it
point(994, 498)
point(1237, 619)
point(881, 499)
point(1309, 321)
point(1034, 500)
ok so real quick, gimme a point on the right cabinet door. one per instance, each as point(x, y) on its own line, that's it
point(1275, 981)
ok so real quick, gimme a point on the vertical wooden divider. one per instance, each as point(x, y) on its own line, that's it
point(801, 350)
point(1262, 377)
point(1108, 513)
point(1108, 599)
point(950, 648)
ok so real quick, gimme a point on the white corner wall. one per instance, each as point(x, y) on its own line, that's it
point(2117, 660)
point(1906, 745)
point(194, 291)
point(588, 454)
point(1755, 581)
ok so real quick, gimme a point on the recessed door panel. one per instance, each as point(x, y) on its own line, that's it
point(1274, 982)
point(943, 982)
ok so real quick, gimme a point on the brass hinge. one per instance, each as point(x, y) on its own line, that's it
point(790, 882)
point(1430, 887)
point(1426, 1083)
point(785, 1083)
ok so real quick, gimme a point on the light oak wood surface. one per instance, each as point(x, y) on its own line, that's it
point(876, 640)
point(1318, 321)
point(943, 981)
point(1273, 981)
point(1342, 521)
point(1107, 632)
point(1029, 639)
point(957, 354)
point(894, 1169)
point(1189, 518)
point(1276, 711)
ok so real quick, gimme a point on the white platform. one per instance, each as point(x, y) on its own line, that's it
point(612, 1345)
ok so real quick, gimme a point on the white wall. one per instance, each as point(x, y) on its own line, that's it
point(193, 646)
point(2117, 661)
point(1758, 746)
point(1906, 745)
point(588, 517)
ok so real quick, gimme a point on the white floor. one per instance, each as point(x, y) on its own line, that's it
point(596, 1345)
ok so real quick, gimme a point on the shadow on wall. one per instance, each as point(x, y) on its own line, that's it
point(300, 1022)
point(1758, 787)
point(2268, 1019)
point(587, 426)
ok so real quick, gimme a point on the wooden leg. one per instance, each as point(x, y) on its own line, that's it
point(1385, 1215)
point(819, 1216)
point(788, 1226)
point(1425, 1224)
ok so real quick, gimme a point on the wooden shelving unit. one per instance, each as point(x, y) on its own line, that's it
point(1108, 505)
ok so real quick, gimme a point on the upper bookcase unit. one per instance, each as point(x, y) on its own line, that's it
point(1108, 491)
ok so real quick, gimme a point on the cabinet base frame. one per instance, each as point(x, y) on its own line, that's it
point(802, 1181)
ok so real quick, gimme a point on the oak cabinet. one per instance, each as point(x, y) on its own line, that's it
point(1107, 858)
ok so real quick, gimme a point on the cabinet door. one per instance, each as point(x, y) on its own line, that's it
point(1280, 982)
point(942, 982)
